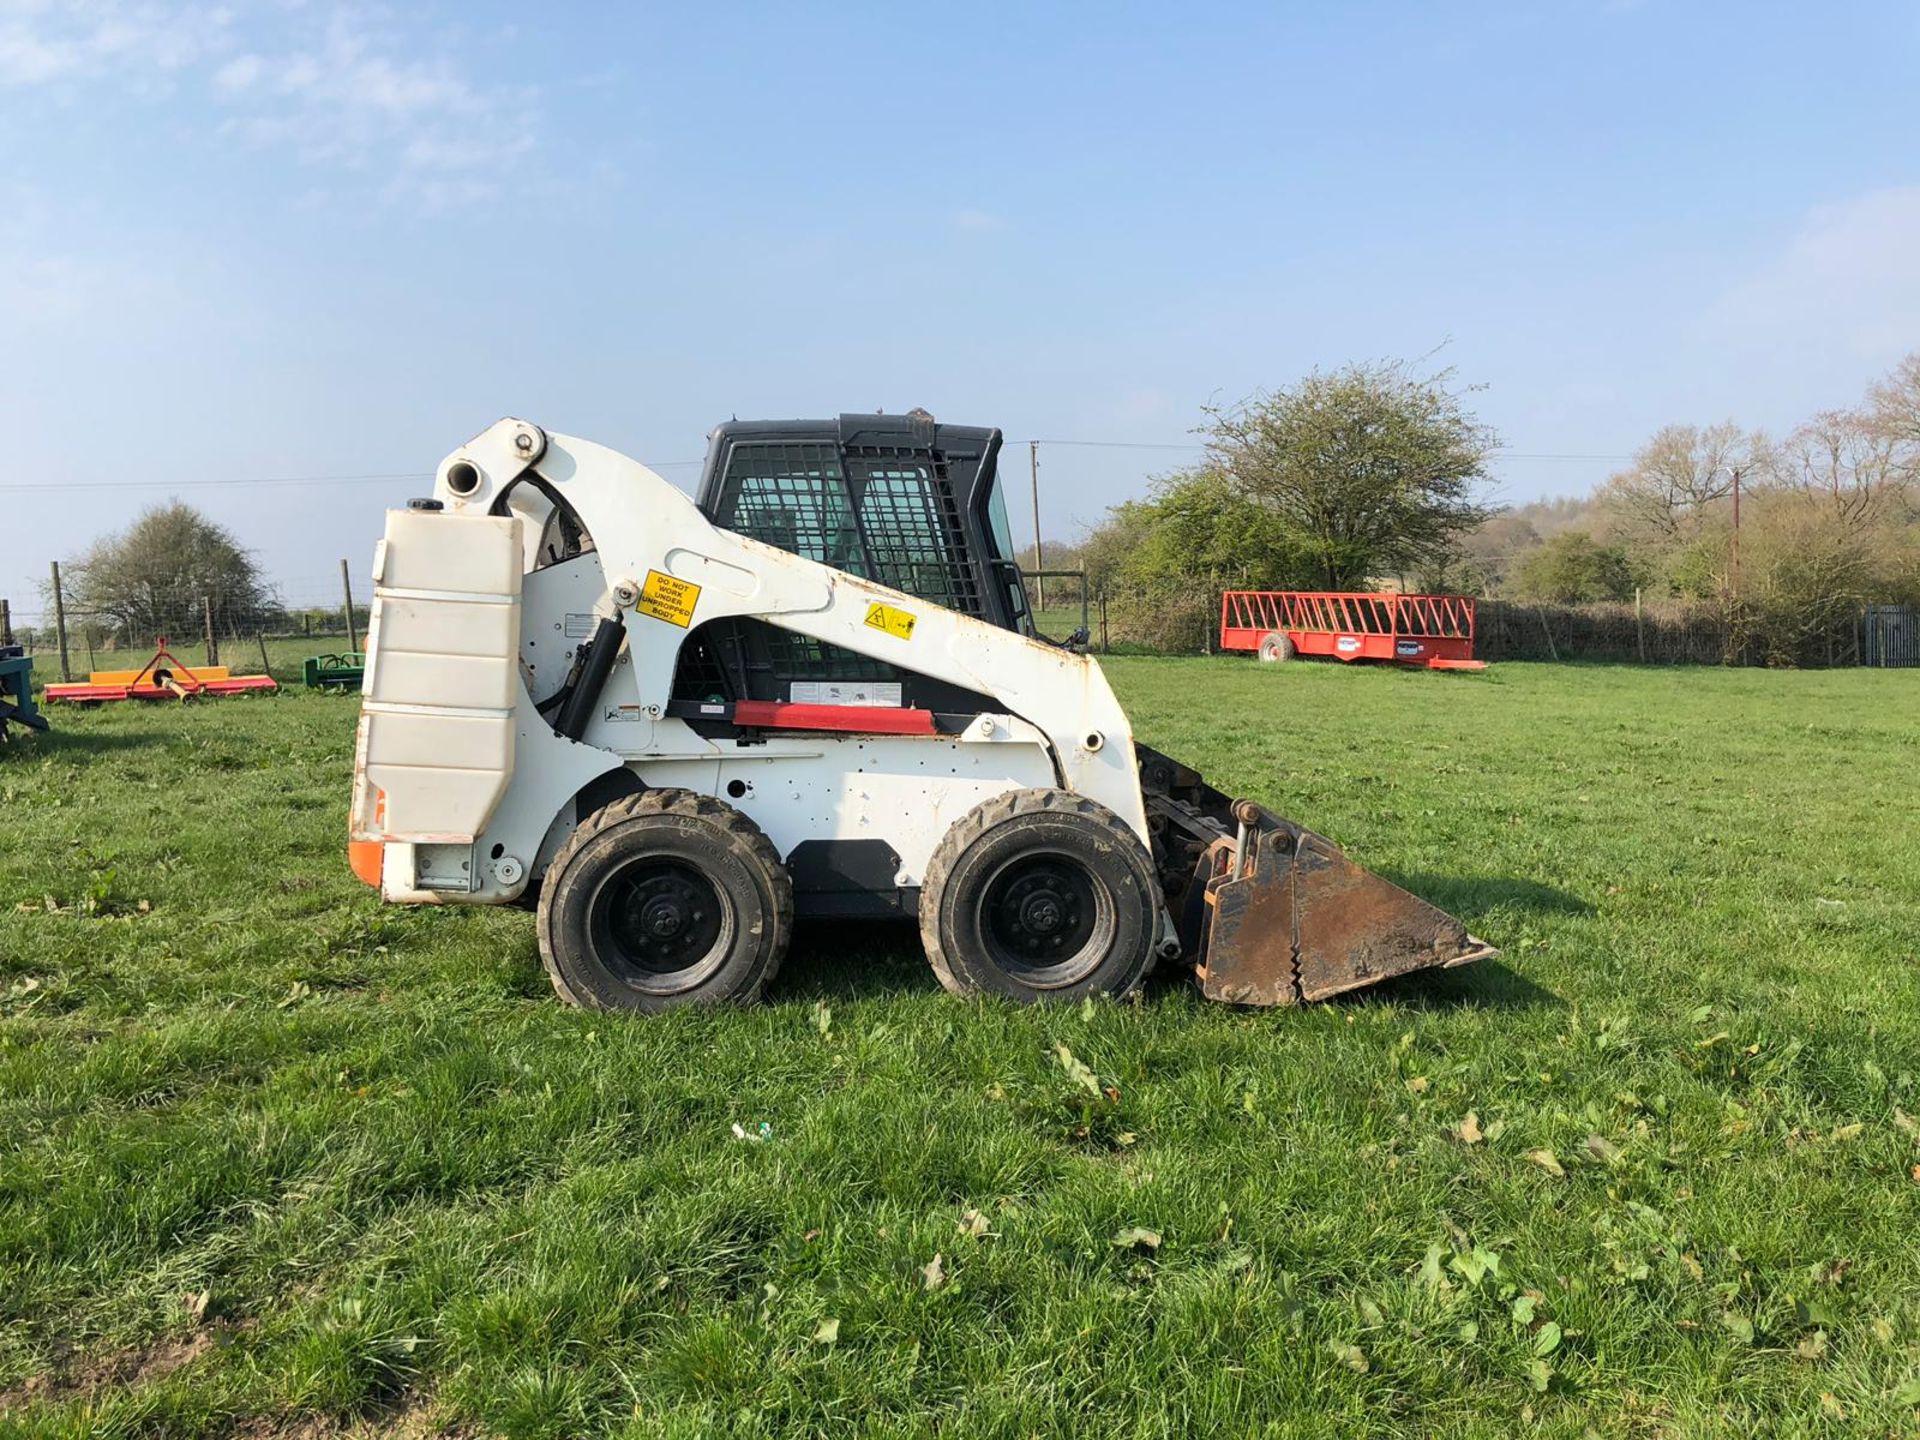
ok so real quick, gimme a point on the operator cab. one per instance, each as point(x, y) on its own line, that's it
point(899, 499)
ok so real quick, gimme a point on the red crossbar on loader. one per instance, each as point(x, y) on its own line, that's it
point(1435, 631)
point(164, 677)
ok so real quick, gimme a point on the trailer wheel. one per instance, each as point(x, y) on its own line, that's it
point(1275, 647)
point(662, 899)
point(1039, 895)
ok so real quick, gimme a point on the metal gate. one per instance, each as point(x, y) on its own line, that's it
point(1892, 635)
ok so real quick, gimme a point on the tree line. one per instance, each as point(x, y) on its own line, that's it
point(1372, 475)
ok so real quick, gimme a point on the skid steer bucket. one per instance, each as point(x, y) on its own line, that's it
point(1270, 913)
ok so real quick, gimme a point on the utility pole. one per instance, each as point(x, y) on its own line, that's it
point(346, 585)
point(1736, 534)
point(60, 622)
point(1039, 560)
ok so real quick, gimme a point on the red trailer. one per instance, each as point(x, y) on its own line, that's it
point(1431, 630)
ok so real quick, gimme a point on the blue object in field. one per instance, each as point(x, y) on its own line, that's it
point(16, 691)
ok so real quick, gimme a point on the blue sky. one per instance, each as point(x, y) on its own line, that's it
point(305, 240)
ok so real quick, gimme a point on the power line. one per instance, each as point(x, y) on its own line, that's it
point(183, 484)
point(1123, 444)
point(426, 475)
point(235, 482)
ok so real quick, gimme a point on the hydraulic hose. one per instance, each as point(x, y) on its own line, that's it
point(595, 665)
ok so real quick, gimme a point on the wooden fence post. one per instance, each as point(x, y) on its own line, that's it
point(1552, 650)
point(60, 623)
point(213, 645)
point(346, 586)
point(1639, 625)
point(6, 623)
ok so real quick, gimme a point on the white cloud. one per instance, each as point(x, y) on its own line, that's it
point(978, 220)
point(1846, 286)
point(42, 43)
point(338, 88)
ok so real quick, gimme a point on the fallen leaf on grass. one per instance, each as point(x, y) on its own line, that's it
point(1547, 1161)
point(1136, 1237)
point(1351, 1356)
point(1739, 1326)
point(1906, 1122)
point(1831, 1407)
point(1908, 1393)
point(972, 1224)
point(1812, 1347)
point(1603, 1150)
point(1847, 1132)
point(934, 1273)
point(1469, 1131)
point(827, 1332)
point(1539, 1374)
point(1418, 1085)
point(1546, 1339)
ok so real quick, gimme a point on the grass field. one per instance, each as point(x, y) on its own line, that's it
point(275, 1160)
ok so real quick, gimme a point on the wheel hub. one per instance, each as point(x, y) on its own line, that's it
point(664, 917)
point(1038, 916)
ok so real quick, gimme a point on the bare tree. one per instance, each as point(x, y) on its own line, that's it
point(1679, 475)
point(1894, 405)
point(1849, 460)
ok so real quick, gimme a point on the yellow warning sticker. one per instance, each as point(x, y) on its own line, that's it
point(668, 599)
point(892, 619)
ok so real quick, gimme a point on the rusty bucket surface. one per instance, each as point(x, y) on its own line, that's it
point(1285, 916)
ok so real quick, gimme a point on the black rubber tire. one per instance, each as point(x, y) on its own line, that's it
point(1064, 834)
point(1275, 648)
point(677, 833)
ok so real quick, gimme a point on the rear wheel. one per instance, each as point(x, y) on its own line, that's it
point(1039, 895)
point(662, 899)
point(1275, 647)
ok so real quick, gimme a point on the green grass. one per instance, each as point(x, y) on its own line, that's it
point(274, 1155)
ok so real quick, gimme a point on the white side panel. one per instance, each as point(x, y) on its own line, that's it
point(903, 789)
point(437, 730)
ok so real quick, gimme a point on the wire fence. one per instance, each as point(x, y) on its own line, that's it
point(274, 638)
point(1185, 620)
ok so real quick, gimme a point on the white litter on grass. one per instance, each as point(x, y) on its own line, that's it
point(763, 1131)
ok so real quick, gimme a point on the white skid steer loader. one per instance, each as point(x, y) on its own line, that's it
point(671, 726)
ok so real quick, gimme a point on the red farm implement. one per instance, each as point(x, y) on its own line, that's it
point(1435, 631)
point(164, 677)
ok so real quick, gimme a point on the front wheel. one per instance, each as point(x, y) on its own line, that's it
point(662, 899)
point(1275, 647)
point(1039, 895)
